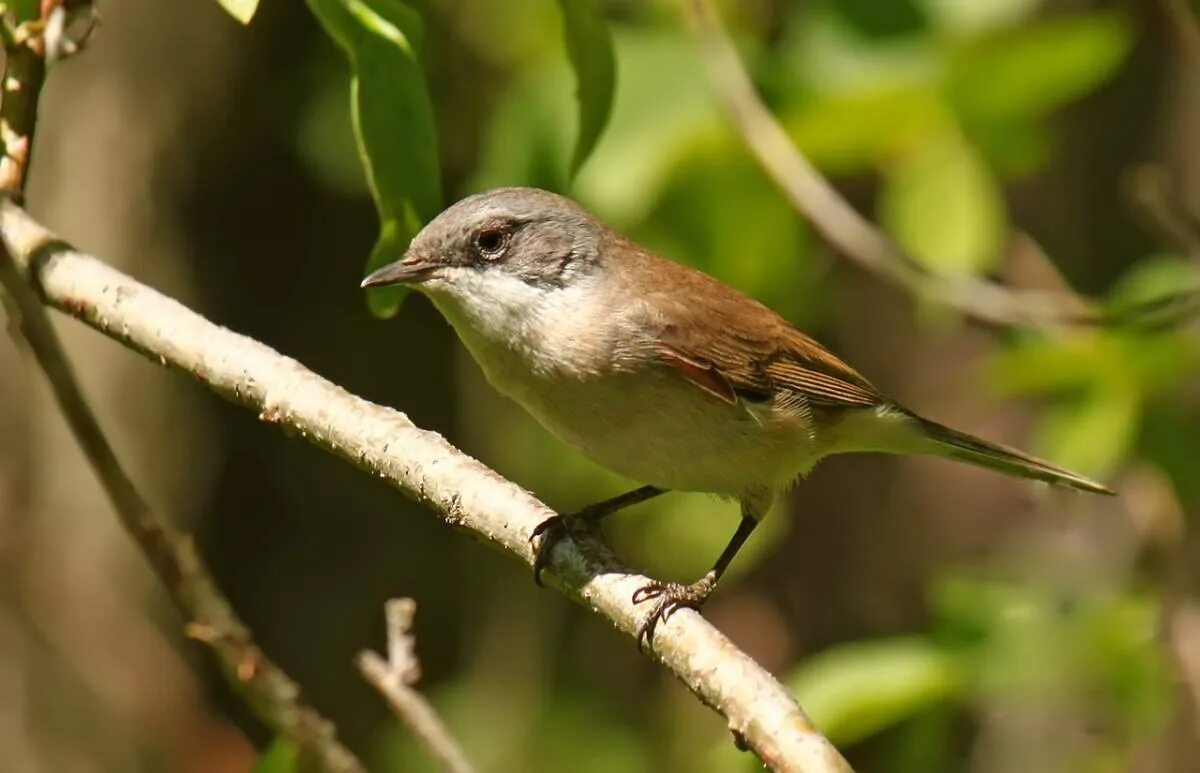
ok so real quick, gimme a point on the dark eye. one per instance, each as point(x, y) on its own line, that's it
point(491, 241)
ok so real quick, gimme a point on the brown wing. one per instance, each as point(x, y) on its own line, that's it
point(740, 366)
point(734, 347)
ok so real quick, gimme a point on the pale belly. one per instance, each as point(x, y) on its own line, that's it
point(658, 428)
point(652, 426)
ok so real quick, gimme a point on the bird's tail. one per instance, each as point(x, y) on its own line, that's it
point(960, 446)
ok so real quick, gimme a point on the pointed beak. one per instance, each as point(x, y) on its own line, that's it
point(410, 269)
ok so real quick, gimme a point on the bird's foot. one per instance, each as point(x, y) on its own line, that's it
point(546, 536)
point(671, 597)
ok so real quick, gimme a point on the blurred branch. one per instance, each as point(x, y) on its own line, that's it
point(383, 442)
point(270, 692)
point(24, 75)
point(849, 232)
point(394, 679)
point(1183, 21)
point(1159, 199)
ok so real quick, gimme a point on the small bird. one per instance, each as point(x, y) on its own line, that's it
point(655, 370)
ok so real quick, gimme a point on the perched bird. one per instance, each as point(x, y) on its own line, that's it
point(656, 370)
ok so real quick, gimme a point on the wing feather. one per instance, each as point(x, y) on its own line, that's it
point(735, 348)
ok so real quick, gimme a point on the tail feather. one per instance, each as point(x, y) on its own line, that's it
point(967, 448)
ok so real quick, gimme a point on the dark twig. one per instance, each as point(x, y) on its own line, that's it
point(272, 694)
point(269, 691)
point(850, 233)
point(394, 679)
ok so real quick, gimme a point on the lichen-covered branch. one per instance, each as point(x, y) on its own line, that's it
point(383, 442)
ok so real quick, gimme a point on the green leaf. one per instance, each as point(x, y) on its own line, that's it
point(943, 205)
point(393, 123)
point(852, 131)
point(959, 17)
point(656, 118)
point(1033, 69)
point(590, 49)
point(1146, 287)
point(242, 10)
point(280, 757)
point(858, 689)
point(26, 10)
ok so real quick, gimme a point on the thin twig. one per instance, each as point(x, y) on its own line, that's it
point(1158, 199)
point(394, 679)
point(844, 228)
point(463, 492)
point(270, 692)
point(24, 74)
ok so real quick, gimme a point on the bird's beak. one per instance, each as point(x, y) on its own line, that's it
point(408, 270)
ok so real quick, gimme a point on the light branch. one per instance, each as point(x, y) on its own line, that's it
point(385, 443)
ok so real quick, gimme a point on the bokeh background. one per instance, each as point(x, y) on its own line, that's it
point(929, 616)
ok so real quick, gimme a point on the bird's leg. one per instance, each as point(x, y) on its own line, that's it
point(551, 530)
point(671, 595)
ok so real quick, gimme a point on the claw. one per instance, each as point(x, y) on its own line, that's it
point(546, 535)
point(671, 597)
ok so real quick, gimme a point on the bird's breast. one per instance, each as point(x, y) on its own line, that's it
point(574, 369)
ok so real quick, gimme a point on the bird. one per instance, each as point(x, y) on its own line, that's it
point(656, 370)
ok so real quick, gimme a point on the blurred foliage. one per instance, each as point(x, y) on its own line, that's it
point(943, 103)
point(280, 757)
point(589, 45)
point(393, 123)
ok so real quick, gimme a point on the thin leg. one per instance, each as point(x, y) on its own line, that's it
point(671, 596)
point(551, 530)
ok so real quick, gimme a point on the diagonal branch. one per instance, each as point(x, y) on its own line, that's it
point(272, 695)
point(270, 692)
point(383, 442)
point(394, 679)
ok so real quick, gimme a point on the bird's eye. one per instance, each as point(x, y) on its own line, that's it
point(491, 241)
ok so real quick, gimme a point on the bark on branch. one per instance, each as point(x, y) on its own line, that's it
point(383, 442)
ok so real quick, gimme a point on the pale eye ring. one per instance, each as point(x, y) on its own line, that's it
point(491, 241)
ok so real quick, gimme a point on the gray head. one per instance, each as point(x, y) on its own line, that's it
point(542, 239)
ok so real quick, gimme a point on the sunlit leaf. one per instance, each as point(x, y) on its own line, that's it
point(828, 55)
point(1156, 288)
point(393, 122)
point(1035, 68)
point(858, 689)
point(855, 131)
point(590, 48)
point(280, 757)
point(242, 10)
point(960, 17)
point(943, 205)
point(1073, 365)
point(656, 119)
